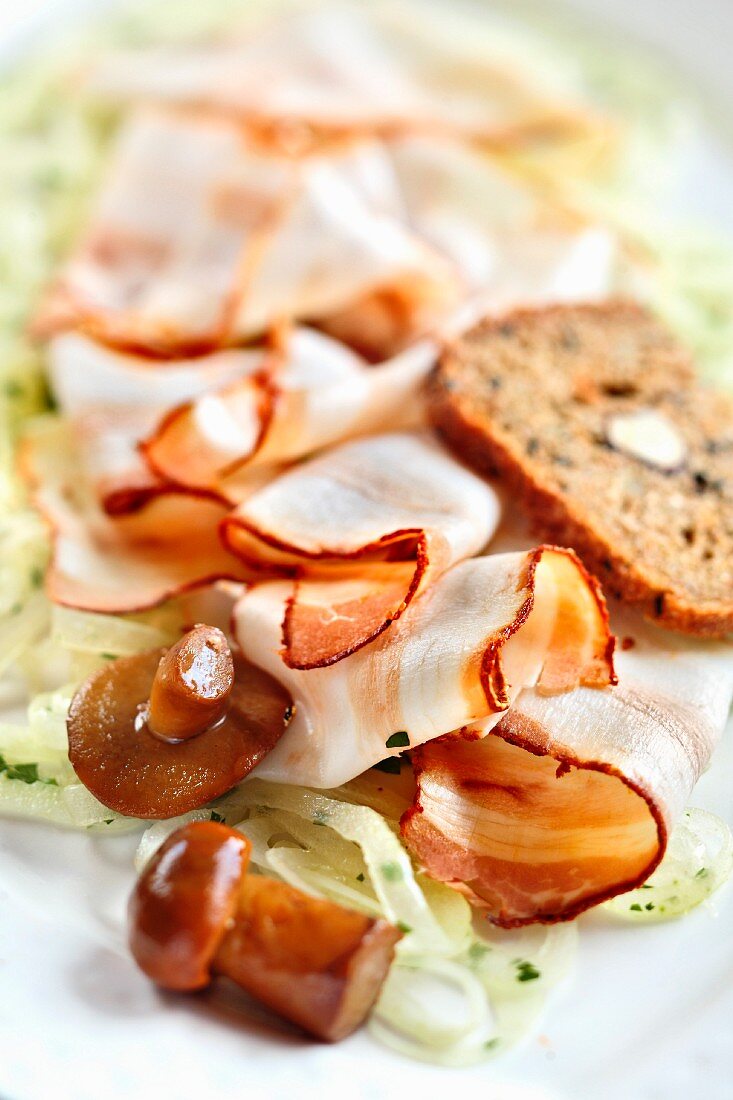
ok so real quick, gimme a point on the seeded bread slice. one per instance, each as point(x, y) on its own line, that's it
point(592, 415)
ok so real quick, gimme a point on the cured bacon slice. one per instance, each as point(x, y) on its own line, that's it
point(113, 400)
point(571, 798)
point(464, 650)
point(343, 71)
point(200, 239)
point(370, 524)
point(120, 564)
point(316, 394)
point(507, 239)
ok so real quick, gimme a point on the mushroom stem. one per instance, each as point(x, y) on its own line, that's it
point(310, 960)
point(191, 689)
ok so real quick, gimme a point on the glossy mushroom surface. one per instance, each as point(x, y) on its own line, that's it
point(312, 961)
point(196, 913)
point(183, 902)
point(192, 685)
point(128, 768)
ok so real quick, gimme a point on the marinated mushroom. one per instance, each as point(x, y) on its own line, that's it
point(184, 901)
point(311, 961)
point(163, 732)
point(191, 688)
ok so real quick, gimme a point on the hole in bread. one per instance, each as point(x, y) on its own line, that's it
point(619, 389)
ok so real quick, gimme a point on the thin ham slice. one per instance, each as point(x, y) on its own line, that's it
point(316, 393)
point(367, 526)
point(129, 563)
point(112, 401)
point(200, 239)
point(571, 798)
point(337, 71)
point(461, 653)
point(511, 244)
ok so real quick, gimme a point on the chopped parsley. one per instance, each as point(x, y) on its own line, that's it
point(526, 972)
point(477, 951)
point(26, 773)
point(400, 740)
point(360, 877)
point(216, 817)
point(107, 656)
point(392, 872)
point(701, 873)
point(403, 927)
point(490, 1044)
point(635, 908)
point(392, 765)
point(649, 905)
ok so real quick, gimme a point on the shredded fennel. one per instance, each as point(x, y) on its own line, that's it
point(698, 860)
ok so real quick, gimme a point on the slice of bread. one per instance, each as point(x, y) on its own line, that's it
point(592, 415)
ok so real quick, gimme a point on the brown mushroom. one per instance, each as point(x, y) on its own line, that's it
point(184, 901)
point(220, 732)
point(191, 688)
point(312, 961)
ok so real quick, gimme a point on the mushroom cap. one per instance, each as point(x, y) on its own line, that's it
point(183, 902)
point(135, 773)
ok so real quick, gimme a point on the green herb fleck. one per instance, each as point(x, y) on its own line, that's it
point(392, 872)
point(392, 765)
point(216, 817)
point(477, 951)
point(635, 908)
point(400, 740)
point(649, 906)
point(646, 886)
point(108, 820)
point(491, 1044)
point(527, 972)
point(107, 656)
point(360, 877)
point(320, 817)
point(37, 577)
point(26, 773)
point(403, 927)
point(701, 873)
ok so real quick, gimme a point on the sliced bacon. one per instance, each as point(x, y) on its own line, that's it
point(571, 798)
point(128, 563)
point(461, 653)
point(113, 400)
point(199, 239)
point(369, 525)
point(316, 394)
point(346, 71)
point(510, 242)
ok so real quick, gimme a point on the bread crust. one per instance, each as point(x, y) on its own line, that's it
point(560, 517)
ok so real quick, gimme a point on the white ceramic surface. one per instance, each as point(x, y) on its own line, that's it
point(648, 1014)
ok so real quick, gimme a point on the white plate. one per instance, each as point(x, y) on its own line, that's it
point(648, 1013)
